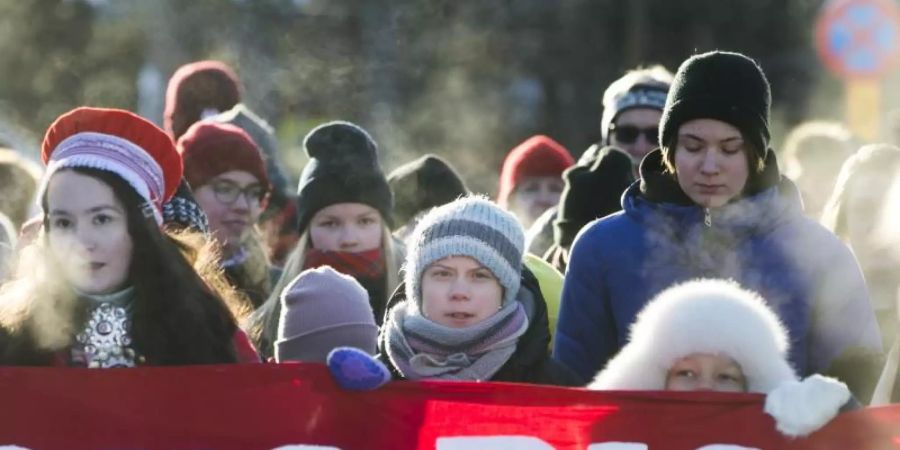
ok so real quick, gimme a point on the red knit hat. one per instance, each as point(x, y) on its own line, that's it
point(211, 148)
point(117, 141)
point(195, 88)
point(538, 156)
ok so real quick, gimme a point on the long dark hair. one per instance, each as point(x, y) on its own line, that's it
point(176, 318)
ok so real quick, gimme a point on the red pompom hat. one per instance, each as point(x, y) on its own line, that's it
point(211, 148)
point(197, 89)
point(117, 141)
point(538, 156)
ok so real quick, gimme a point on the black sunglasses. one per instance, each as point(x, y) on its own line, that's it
point(628, 134)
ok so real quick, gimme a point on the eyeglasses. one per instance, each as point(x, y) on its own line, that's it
point(228, 192)
point(628, 134)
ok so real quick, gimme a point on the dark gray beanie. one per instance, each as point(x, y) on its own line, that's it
point(343, 168)
point(422, 184)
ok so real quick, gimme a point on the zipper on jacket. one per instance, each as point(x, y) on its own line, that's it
point(707, 218)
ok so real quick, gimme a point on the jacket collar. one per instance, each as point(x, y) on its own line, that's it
point(658, 199)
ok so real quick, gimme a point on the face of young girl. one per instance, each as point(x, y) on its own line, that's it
point(459, 292)
point(232, 202)
point(711, 162)
point(88, 233)
point(346, 227)
point(533, 196)
point(705, 372)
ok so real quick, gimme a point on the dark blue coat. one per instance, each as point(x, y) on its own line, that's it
point(763, 241)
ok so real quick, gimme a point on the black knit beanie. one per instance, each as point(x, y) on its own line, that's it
point(343, 168)
point(724, 86)
point(422, 184)
point(591, 192)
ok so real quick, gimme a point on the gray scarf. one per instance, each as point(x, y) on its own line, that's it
point(420, 348)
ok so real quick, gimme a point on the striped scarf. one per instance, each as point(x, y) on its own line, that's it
point(420, 348)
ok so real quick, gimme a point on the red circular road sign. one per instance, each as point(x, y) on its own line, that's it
point(859, 38)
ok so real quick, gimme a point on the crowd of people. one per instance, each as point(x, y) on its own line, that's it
point(674, 254)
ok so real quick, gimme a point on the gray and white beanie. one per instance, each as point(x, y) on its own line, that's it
point(471, 226)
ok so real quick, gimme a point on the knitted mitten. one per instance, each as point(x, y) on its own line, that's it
point(356, 370)
point(802, 407)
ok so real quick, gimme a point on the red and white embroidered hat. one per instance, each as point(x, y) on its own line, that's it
point(117, 141)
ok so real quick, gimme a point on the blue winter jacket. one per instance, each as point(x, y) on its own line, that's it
point(762, 240)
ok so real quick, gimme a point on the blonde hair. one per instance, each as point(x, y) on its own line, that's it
point(204, 256)
point(262, 325)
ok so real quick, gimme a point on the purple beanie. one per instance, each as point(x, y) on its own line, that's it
point(322, 309)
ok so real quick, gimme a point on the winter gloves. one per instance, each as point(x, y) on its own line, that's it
point(802, 407)
point(356, 370)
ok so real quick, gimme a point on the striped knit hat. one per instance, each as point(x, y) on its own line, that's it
point(116, 141)
point(471, 226)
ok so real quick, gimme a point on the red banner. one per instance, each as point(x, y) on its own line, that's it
point(271, 406)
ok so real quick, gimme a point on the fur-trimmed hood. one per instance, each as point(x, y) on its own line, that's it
point(701, 316)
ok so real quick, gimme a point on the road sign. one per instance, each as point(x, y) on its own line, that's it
point(859, 38)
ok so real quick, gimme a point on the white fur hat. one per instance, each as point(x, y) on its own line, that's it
point(701, 316)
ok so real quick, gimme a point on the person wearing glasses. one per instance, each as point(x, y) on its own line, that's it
point(226, 171)
point(632, 107)
point(712, 203)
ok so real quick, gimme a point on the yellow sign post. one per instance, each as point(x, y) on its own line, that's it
point(859, 41)
point(864, 107)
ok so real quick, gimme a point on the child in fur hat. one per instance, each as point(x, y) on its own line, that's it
point(713, 335)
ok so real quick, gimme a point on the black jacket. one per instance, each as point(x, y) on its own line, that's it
point(531, 362)
point(593, 190)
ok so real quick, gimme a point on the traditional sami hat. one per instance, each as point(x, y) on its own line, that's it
point(117, 141)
